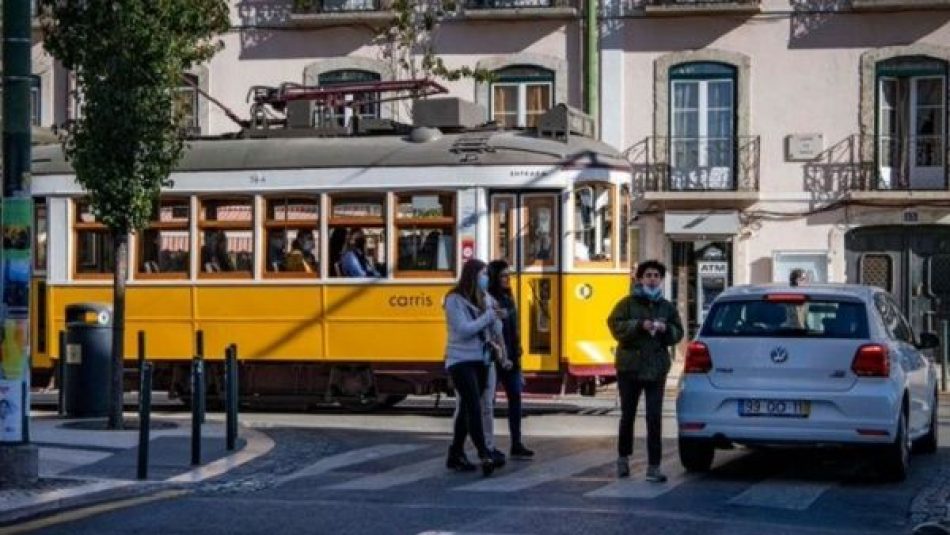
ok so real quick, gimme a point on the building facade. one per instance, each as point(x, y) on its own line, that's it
point(765, 135)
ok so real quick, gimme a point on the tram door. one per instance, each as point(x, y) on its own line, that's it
point(525, 232)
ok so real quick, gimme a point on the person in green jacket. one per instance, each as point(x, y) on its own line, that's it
point(645, 325)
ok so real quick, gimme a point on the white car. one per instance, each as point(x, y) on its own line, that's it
point(808, 365)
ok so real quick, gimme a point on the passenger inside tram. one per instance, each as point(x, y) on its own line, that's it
point(355, 262)
point(301, 256)
point(214, 253)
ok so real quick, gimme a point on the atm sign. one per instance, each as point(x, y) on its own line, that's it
point(714, 268)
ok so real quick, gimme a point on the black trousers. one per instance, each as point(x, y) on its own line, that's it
point(630, 388)
point(470, 379)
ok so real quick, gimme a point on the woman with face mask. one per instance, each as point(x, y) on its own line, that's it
point(354, 262)
point(645, 325)
point(471, 320)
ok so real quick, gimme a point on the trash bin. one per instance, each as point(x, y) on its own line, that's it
point(88, 359)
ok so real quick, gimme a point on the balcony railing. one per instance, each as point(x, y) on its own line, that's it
point(306, 7)
point(906, 162)
point(517, 4)
point(696, 163)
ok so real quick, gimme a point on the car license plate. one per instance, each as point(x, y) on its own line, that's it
point(782, 408)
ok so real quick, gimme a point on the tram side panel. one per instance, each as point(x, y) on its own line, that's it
point(588, 344)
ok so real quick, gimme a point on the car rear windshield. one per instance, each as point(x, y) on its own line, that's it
point(811, 319)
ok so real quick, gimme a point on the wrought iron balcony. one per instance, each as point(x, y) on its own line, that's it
point(310, 7)
point(691, 7)
point(506, 9)
point(905, 163)
point(696, 164)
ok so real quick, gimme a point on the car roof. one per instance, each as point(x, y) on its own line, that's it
point(857, 292)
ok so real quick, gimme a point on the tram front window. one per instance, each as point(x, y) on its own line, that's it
point(593, 224)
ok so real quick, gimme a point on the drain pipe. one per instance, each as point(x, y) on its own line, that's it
point(592, 64)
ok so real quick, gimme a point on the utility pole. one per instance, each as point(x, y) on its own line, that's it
point(19, 459)
point(592, 60)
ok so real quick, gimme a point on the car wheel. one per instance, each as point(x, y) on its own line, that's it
point(895, 461)
point(696, 455)
point(928, 442)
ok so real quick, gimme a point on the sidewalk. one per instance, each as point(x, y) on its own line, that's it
point(80, 464)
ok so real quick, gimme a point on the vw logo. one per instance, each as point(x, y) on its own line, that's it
point(779, 355)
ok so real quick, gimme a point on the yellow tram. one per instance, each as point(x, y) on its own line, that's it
point(246, 246)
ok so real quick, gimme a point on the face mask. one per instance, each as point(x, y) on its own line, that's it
point(654, 292)
point(307, 245)
point(483, 282)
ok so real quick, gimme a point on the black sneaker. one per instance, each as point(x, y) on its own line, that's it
point(498, 458)
point(459, 463)
point(654, 475)
point(488, 466)
point(518, 451)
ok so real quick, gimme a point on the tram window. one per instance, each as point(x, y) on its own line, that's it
point(540, 232)
point(227, 237)
point(425, 230)
point(293, 238)
point(357, 241)
point(593, 225)
point(94, 254)
point(40, 236)
point(627, 229)
point(165, 246)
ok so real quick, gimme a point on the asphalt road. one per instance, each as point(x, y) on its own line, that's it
point(336, 473)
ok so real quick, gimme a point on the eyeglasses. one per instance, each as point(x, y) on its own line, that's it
point(651, 275)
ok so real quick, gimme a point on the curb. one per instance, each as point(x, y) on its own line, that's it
point(94, 493)
point(106, 490)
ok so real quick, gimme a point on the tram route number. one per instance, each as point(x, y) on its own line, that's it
point(783, 408)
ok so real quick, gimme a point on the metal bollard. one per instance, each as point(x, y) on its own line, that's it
point(197, 373)
point(61, 376)
point(200, 399)
point(232, 393)
point(141, 352)
point(145, 418)
point(946, 350)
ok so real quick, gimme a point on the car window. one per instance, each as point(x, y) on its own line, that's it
point(894, 322)
point(812, 319)
point(904, 332)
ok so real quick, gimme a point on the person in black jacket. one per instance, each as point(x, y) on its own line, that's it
point(645, 325)
point(499, 286)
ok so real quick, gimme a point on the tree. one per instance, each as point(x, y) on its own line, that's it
point(128, 57)
point(408, 41)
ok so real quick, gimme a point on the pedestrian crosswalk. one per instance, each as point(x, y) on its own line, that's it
point(411, 469)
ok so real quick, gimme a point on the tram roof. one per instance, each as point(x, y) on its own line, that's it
point(471, 148)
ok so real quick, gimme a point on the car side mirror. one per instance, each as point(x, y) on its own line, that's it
point(928, 341)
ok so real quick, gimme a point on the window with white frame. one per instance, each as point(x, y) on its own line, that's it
point(186, 103)
point(344, 114)
point(36, 101)
point(702, 117)
point(520, 95)
point(911, 107)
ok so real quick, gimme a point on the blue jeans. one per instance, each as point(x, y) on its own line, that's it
point(511, 381)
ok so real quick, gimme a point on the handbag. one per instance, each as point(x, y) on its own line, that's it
point(492, 347)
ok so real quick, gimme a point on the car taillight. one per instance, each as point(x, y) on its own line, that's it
point(697, 358)
point(871, 360)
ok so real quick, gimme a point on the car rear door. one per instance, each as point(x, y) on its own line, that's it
point(785, 343)
point(908, 357)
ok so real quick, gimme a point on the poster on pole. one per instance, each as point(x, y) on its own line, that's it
point(11, 411)
point(17, 219)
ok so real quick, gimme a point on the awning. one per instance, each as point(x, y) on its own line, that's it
point(698, 223)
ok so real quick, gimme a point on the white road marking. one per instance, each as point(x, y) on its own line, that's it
point(402, 475)
point(545, 472)
point(350, 458)
point(791, 495)
point(636, 487)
